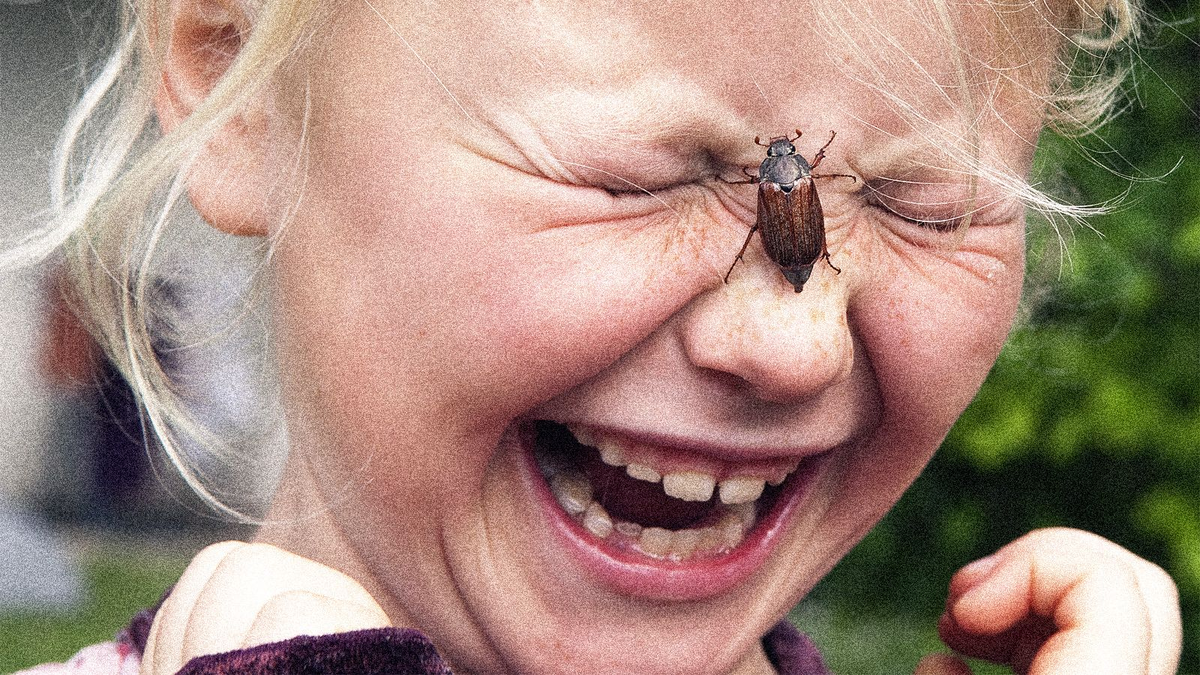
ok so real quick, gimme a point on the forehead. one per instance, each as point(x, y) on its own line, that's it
point(653, 75)
point(610, 44)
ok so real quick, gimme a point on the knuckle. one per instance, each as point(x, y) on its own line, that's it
point(215, 554)
point(1064, 539)
point(293, 601)
point(1158, 580)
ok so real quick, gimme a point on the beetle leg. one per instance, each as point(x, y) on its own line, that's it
point(739, 255)
point(751, 178)
point(835, 175)
point(825, 252)
point(821, 153)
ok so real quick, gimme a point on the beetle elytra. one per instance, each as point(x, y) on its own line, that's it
point(789, 217)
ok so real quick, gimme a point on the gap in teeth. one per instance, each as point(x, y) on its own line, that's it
point(693, 485)
point(575, 495)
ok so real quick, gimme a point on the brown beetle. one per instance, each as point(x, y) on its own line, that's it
point(789, 210)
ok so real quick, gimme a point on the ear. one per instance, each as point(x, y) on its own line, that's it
point(230, 181)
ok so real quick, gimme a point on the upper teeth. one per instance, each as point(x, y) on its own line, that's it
point(741, 489)
point(610, 453)
point(642, 472)
point(689, 485)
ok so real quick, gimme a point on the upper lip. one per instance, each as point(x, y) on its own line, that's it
point(743, 450)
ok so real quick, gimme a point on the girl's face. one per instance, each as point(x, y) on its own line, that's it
point(526, 412)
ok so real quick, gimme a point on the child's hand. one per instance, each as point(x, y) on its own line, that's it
point(235, 595)
point(1058, 602)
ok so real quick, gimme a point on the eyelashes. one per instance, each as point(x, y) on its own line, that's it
point(896, 210)
point(936, 207)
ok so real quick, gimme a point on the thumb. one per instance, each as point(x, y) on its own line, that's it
point(942, 664)
point(299, 612)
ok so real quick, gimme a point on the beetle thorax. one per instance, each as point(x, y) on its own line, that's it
point(784, 171)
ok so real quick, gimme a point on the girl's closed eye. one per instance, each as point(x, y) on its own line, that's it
point(930, 210)
point(626, 179)
point(619, 187)
point(632, 190)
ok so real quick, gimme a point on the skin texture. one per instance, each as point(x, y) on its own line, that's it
point(456, 261)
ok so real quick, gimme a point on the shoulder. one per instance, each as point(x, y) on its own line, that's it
point(106, 658)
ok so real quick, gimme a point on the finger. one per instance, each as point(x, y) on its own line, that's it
point(1016, 646)
point(942, 664)
point(1103, 620)
point(294, 613)
point(972, 575)
point(245, 581)
point(1166, 623)
point(1074, 579)
point(1157, 590)
point(164, 647)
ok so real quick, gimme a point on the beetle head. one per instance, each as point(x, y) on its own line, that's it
point(780, 147)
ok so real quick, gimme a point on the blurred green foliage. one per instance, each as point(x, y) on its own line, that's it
point(120, 584)
point(1091, 418)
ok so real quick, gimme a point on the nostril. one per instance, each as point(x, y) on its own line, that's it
point(726, 380)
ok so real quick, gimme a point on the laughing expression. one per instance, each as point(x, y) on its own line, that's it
point(526, 413)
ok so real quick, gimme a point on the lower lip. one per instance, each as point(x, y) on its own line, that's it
point(633, 574)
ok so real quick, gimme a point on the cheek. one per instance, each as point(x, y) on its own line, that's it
point(931, 328)
point(426, 299)
point(932, 352)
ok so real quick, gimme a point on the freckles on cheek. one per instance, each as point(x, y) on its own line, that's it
point(932, 345)
point(473, 311)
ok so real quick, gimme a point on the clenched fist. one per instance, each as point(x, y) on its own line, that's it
point(235, 595)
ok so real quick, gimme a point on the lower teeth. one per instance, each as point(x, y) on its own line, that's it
point(731, 522)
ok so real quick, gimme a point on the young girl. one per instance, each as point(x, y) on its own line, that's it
point(530, 428)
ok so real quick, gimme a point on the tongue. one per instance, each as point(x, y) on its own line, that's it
point(638, 501)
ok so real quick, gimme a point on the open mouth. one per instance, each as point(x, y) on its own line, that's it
point(653, 502)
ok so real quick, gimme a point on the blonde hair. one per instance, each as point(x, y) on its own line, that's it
point(117, 182)
point(1079, 90)
point(116, 185)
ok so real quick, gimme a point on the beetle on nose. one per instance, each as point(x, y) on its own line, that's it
point(789, 218)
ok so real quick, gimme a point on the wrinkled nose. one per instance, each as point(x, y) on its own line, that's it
point(782, 346)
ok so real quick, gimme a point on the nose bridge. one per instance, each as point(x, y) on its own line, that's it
point(785, 346)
